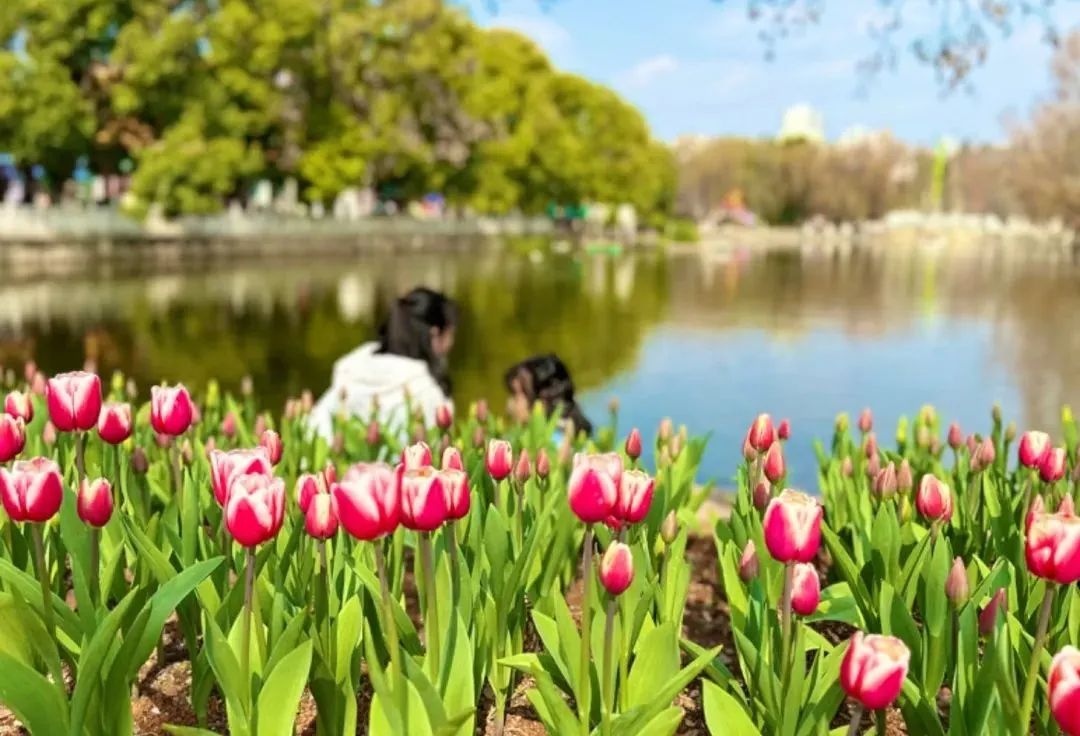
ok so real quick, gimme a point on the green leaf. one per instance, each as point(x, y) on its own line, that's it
point(280, 694)
point(460, 693)
point(189, 731)
point(92, 661)
point(32, 698)
point(724, 715)
point(637, 717)
point(666, 723)
point(381, 724)
point(656, 662)
point(348, 628)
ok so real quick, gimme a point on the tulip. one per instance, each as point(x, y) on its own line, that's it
point(225, 467)
point(444, 417)
point(30, 370)
point(792, 527)
point(1063, 684)
point(805, 590)
point(74, 401)
point(783, 430)
point(271, 442)
point(1037, 508)
point(522, 470)
point(367, 502)
point(617, 568)
point(934, 499)
point(866, 420)
point(774, 463)
point(669, 528)
point(228, 425)
point(499, 459)
point(140, 464)
point(451, 459)
point(984, 455)
point(748, 562)
point(478, 436)
point(482, 411)
point(1010, 432)
point(956, 585)
point(423, 500)
point(748, 451)
point(634, 497)
point(988, 615)
point(455, 484)
point(416, 456)
point(873, 669)
point(841, 423)
point(1053, 547)
point(171, 410)
point(1053, 465)
point(847, 468)
point(31, 490)
point(1066, 507)
point(39, 385)
point(762, 495)
point(904, 481)
point(260, 425)
point(594, 486)
point(18, 404)
point(95, 502)
point(115, 423)
point(372, 433)
point(762, 434)
point(255, 508)
point(955, 436)
point(873, 467)
point(319, 519)
point(12, 437)
point(307, 487)
point(543, 463)
point(972, 443)
point(665, 429)
point(1033, 448)
point(885, 482)
point(870, 446)
point(633, 444)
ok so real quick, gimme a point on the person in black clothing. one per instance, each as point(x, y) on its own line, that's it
point(545, 379)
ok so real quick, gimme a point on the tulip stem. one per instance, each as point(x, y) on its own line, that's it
point(249, 595)
point(80, 456)
point(785, 621)
point(390, 630)
point(95, 563)
point(584, 680)
point(609, 682)
point(455, 576)
point(1036, 654)
point(856, 720)
point(43, 577)
point(882, 722)
point(431, 619)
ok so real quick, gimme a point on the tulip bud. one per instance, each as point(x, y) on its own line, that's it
point(226, 467)
point(320, 521)
point(774, 463)
point(847, 468)
point(762, 434)
point(444, 418)
point(972, 444)
point(762, 495)
point(985, 455)
point(482, 411)
point(873, 669)
point(416, 456)
point(187, 453)
point(792, 527)
point(873, 467)
point(613, 405)
point(988, 615)
point(805, 589)
point(451, 459)
point(12, 437)
point(19, 405)
point(74, 401)
point(307, 487)
point(1063, 686)
point(870, 445)
point(139, 462)
point(840, 424)
point(171, 410)
point(307, 401)
point(39, 385)
point(904, 480)
point(255, 508)
point(748, 451)
point(424, 503)
point(634, 497)
point(1053, 466)
point(748, 562)
point(617, 568)
point(956, 585)
point(885, 482)
point(31, 490)
point(665, 430)
point(783, 430)
point(1033, 448)
point(1052, 547)
point(866, 421)
point(48, 434)
point(499, 459)
point(228, 425)
point(30, 370)
point(95, 502)
point(543, 464)
point(131, 390)
point(1010, 432)
point(523, 468)
point(675, 446)
point(934, 499)
point(956, 437)
point(633, 444)
point(995, 413)
point(478, 437)
point(566, 450)
point(247, 386)
point(923, 437)
point(271, 442)
point(669, 529)
point(594, 486)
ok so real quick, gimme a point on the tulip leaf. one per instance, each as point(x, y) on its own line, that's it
point(234, 684)
point(724, 715)
point(920, 715)
point(280, 695)
point(30, 590)
point(849, 572)
point(716, 671)
point(561, 646)
point(459, 693)
point(417, 722)
point(347, 628)
point(550, 705)
point(837, 604)
point(666, 723)
point(825, 694)
point(656, 661)
point(637, 716)
point(92, 660)
point(189, 731)
point(32, 698)
point(896, 621)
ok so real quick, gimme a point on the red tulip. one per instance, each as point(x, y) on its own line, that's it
point(762, 434)
point(416, 456)
point(955, 436)
point(866, 420)
point(423, 500)
point(1063, 685)
point(805, 590)
point(228, 425)
point(95, 502)
point(748, 562)
point(444, 417)
point(783, 430)
point(451, 459)
point(455, 484)
point(171, 409)
point(1033, 448)
point(271, 442)
point(373, 433)
point(633, 444)
point(774, 463)
point(874, 668)
point(617, 568)
point(307, 487)
point(367, 502)
point(18, 404)
point(1053, 466)
point(634, 497)
point(255, 508)
point(792, 527)
point(1053, 547)
point(934, 499)
point(225, 467)
point(593, 489)
point(74, 401)
point(319, 519)
point(543, 463)
point(522, 470)
point(956, 585)
point(988, 615)
point(12, 437)
point(499, 459)
point(115, 423)
point(31, 490)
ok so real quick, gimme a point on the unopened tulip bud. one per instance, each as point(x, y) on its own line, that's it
point(748, 451)
point(995, 413)
point(543, 463)
point(665, 430)
point(870, 445)
point(805, 589)
point(271, 442)
point(499, 459)
point(792, 527)
point(988, 615)
point(985, 454)
point(522, 470)
point(956, 437)
point(131, 390)
point(956, 585)
point(762, 433)
point(669, 529)
point(885, 482)
point(451, 459)
point(95, 502)
point(39, 385)
point(904, 480)
point(1053, 467)
point(19, 405)
point(841, 423)
point(444, 418)
point(307, 401)
point(748, 562)
point(663, 458)
point(617, 568)
point(774, 463)
point(934, 499)
point(613, 405)
point(261, 425)
point(424, 502)
point(783, 430)
point(48, 434)
point(874, 668)
point(478, 437)
point(12, 437)
point(320, 521)
point(593, 488)
point(1033, 448)
point(873, 467)
point(482, 411)
point(675, 446)
point(228, 425)
point(74, 401)
point(762, 495)
point(139, 462)
point(247, 386)
point(972, 444)
point(866, 421)
point(187, 453)
point(847, 468)
point(566, 451)
point(255, 508)
point(1010, 432)
point(923, 437)
point(30, 370)
point(633, 444)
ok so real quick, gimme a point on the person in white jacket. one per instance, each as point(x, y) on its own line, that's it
point(407, 362)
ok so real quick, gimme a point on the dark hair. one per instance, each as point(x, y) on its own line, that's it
point(407, 330)
point(545, 378)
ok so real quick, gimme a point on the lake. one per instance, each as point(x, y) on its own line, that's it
point(709, 340)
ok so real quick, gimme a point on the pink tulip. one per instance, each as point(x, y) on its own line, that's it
point(319, 519)
point(1063, 685)
point(634, 497)
point(12, 437)
point(18, 404)
point(1033, 448)
point(30, 370)
point(416, 456)
point(593, 489)
point(481, 411)
point(870, 446)
point(260, 425)
point(748, 562)
point(255, 508)
point(934, 499)
point(1053, 466)
point(748, 452)
point(792, 527)
point(423, 500)
point(444, 417)
point(774, 463)
point(1053, 547)
point(762, 434)
point(329, 475)
point(633, 444)
point(271, 442)
point(873, 467)
point(805, 590)
point(451, 459)
point(227, 466)
point(499, 459)
point(904, 481)
point(307, 487)
point(1066, 507)
point(957, 589)
point(373, 433)
point(366, 501)
point(543, 463)
point(874, 668)
point(885, 483)
point(988, 615)
point(523, 468)
point(39, 385)
point(115, 423)
point(955, 436)
point(95, 502)
point(31, 490)
point(866, 420)
point(783, 430)
point(984, 455)
point(847, 468)
point(228, 425)
point(171, 410)
point(455, 484)
point(762, 495)
point(74, 401)
point(617, 568)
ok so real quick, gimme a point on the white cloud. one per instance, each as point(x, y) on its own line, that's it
point(649, 70)
point(551, 36)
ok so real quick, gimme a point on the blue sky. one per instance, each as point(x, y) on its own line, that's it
point(698, 66)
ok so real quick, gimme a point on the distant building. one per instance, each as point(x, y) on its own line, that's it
point(802, 123)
